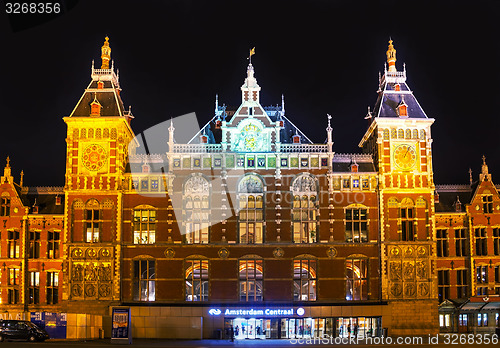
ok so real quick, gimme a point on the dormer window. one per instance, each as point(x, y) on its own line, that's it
point(203, 139)
point(95, 108)
point(397, 87)
point(35, 209)
point(58, 200)
point(354, 167)
point(218, 124)
point(403, 109)
point(296, 139)
point(100, 85)
point(145, 168)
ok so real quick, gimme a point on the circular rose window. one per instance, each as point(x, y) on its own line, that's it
point(94, 156)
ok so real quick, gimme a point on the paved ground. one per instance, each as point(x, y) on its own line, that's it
point(417, 342)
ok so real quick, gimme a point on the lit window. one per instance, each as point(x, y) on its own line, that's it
point(196, 280)
point(13, 244)
point(250, 276)
point(34, 287)
point(53, 241)
point(196, 213)
point(407, 224)
point(304, 280)
point(144, 226)
point(356, 279)
point(144, 282)
point(92, 225)
point(251, 210)
point(304, 209)
point(356, 225)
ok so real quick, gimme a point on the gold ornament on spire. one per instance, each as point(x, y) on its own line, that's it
point(105, 54)
point(391, 57)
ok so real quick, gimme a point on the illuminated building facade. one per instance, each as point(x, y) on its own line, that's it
point(249, 224)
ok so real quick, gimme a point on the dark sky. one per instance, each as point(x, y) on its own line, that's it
point(324, 56)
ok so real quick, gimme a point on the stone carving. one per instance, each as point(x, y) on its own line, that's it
point(422, 251)
point(408, 252)
point(408, 270)
point(331, 252)
point(90, 290)
point(395, 251)
point(410, 290)
point(423, 289)
point(77, 253)
point(396, 290)
point(91, 279)
point(395, 270)
point(223, 253)
point(77, 272)
point(169, 253)
point(278, 253)
point(422, 271)
point(304, 183)
point(105, 253)
point(91, 253)
point(250, 184)
point(196, 185)
point(104, 290)
point(76, 290)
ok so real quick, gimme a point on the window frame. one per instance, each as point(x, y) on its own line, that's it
point(197, 280)
point(144, 285)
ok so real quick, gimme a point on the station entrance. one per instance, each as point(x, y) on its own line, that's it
point(290, 328)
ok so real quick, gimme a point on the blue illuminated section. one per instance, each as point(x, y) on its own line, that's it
point(268, 312)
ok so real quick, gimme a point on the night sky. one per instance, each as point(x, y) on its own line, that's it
point(324, 56)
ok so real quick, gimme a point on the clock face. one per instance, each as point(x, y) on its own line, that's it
point(94, 157)
point(250, 138)
point(405, 156)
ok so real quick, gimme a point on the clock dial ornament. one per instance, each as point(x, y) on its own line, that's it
point(94, 157)
point(405, 156)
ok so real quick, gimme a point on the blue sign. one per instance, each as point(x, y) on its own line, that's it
point(122, 324)
point(252, 312)
point(53, 323)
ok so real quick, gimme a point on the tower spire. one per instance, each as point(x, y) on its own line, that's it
point(391, 57)
point(105, 54)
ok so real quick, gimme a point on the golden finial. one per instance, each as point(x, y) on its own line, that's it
point(391, 57)
point(105, 54)
point(8, 162)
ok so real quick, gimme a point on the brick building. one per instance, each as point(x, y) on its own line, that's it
point(247, 223)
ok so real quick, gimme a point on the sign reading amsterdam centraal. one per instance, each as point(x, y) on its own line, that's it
point(257, 312)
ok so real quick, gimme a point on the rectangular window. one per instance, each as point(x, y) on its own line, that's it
point(443, 285)
point(53, 245)
point(444, 320)
point(34, 248)
point(13, 276)
point(34, 287)
point(92, 225)
point(460, 242)
point(52, 288)
point(481, 290)
point(482, 274)
point(197, 218)
point(304, 279)
point(356, 279)
point(4, 206)
point(462, 319)
point(497, 274)
point(251, 277)
point(442, 243)
point(196, 280)
point(481, 242)
point(304, 221)
point(407, 224)
point(488, 204)
point(356, 226)
point(251, 217)
point(13, 296)
point(496, 241)
point(462, 283)
point(144, 283)
point(482, 319)
point(144, 226)
point(13, 244)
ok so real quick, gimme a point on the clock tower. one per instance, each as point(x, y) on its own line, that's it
point(399, 139)
point(97, 141)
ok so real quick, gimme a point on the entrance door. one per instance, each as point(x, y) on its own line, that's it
point(249, 328)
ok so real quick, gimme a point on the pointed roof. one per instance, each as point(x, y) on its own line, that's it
point(394, 91)
point(104, 87)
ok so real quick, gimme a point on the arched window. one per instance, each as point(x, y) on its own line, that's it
point(304, 209)
point(251, 273)
point(144, 225)
point(196, 210)
point(251, 210)
point(304, 280)
point(144, 281)
point(408, 221)
point(196, 280)
point(356, 279)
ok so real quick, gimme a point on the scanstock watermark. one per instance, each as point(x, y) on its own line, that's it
point(445, 339)
point(155, 145)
